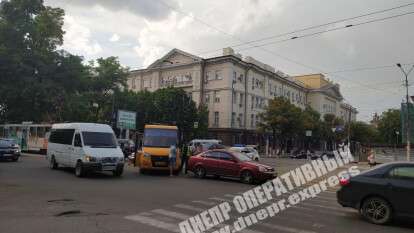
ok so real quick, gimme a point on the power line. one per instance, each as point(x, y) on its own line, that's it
point(315, 26)
point(366, 68)
point(329, 30)
point(269, 51)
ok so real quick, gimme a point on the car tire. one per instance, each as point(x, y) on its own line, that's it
point(53, 164)
point(200, 172)
point(256, 159)
point(15, 159)
point(79, 169)
point(376, 210)
point(246, 177)
point(118, 172)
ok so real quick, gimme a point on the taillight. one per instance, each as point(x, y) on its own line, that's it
point(344, 182)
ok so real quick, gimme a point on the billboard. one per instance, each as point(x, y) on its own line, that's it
point(403, 122)
point(126, 119)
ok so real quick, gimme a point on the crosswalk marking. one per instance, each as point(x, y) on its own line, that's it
point(286, 229)
point(153, 222)
point(172, 214)
point(208, 203)
point(189, 207)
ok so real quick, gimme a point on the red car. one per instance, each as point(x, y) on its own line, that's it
point(229, 164)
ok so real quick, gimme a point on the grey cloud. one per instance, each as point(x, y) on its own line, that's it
point(150, 9)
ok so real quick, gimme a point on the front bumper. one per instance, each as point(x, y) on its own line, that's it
point(9, 154)
point(266, 175)
point(99, 167)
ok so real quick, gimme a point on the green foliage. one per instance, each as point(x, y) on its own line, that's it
point(363, 132)
point(389, 123)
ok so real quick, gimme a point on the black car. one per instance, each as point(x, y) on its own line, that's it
point(382, 193)
point(9, 149)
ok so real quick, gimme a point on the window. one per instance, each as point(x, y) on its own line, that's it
point(240, 119)
point(270, 89)
point(99, 139)
point(216, 97)
point(207, 98)
point(62, 136)
point(234, 76)
point(403, 173)
point(209, 76)
point(218, 75)
point(77, 142)
point(133, 83)
point(212, 155)
point(257, 120)
point(233, 118)
point(241, 78)
point(224, 156)
point(241, 99)
point(216, 118)
point(252, 83)
point(252, 101)
point(234, 97)
point(252, 120)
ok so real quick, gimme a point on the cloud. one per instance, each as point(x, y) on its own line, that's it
point(149, 9)
point(77, 38)
point(114, 38)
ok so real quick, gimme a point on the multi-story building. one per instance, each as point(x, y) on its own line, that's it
point(234, 89)
point(325, 97)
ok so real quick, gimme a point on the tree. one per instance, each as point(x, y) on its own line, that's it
point(362, 132)
point(282, 119)
point(33, 73)
point(388, 124)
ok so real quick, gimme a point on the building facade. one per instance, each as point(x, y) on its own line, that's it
point(234, 89)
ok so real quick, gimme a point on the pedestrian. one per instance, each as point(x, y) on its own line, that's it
point(172, 157)
point(184, 159)
point(371, 158)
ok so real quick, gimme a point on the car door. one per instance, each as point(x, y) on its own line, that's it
point(400, 189)
point(211, 162)
point(77, 151)
point(67, 148)
point(228, 165)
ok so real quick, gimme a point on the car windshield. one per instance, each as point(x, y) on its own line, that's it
point(99, 139)
point(7, 142)
point(160, 137)
point(241, 156)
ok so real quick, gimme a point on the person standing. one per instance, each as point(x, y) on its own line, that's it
point(172, 157)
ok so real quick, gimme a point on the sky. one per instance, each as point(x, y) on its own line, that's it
point(140, 31)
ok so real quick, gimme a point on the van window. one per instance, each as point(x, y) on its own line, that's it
point(99, 139)
point(77, 142)
point(62, 136)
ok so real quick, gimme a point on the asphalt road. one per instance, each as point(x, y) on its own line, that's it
point(34, 199)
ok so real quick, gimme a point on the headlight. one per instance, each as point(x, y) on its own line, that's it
point(262, 169)
point(146, 155)
point(89, 158)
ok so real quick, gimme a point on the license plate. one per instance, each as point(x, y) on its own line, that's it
point(160, 164)
point(108, 167)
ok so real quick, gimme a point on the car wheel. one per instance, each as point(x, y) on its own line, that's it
point(118, 172)
point(79, 170)
point(14, 159)
point(52, 163)
point(256, 159)
point(247, 177)
point(377, 210)
point(200, 172)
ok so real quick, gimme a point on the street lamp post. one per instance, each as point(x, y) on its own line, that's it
point(406, 73)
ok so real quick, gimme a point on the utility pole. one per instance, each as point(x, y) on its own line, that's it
point(406, 73)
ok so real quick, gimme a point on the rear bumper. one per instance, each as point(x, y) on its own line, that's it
point(345, 199)
point(99, 167)
point(9, 155)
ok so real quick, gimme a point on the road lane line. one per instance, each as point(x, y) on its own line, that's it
point(153, 222)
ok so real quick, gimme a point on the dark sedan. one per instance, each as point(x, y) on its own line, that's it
point(229, 164)
point(9, 149)
point(382, 193)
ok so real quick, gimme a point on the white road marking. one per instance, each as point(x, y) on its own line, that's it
point(220, 199)
point(172, 214)
point(285, 229)
point(153, 222)
point(208, 203)
point(189, 207)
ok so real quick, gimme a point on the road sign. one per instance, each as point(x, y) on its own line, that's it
point(196, 124)
point(308, 133)
point(126, 119)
